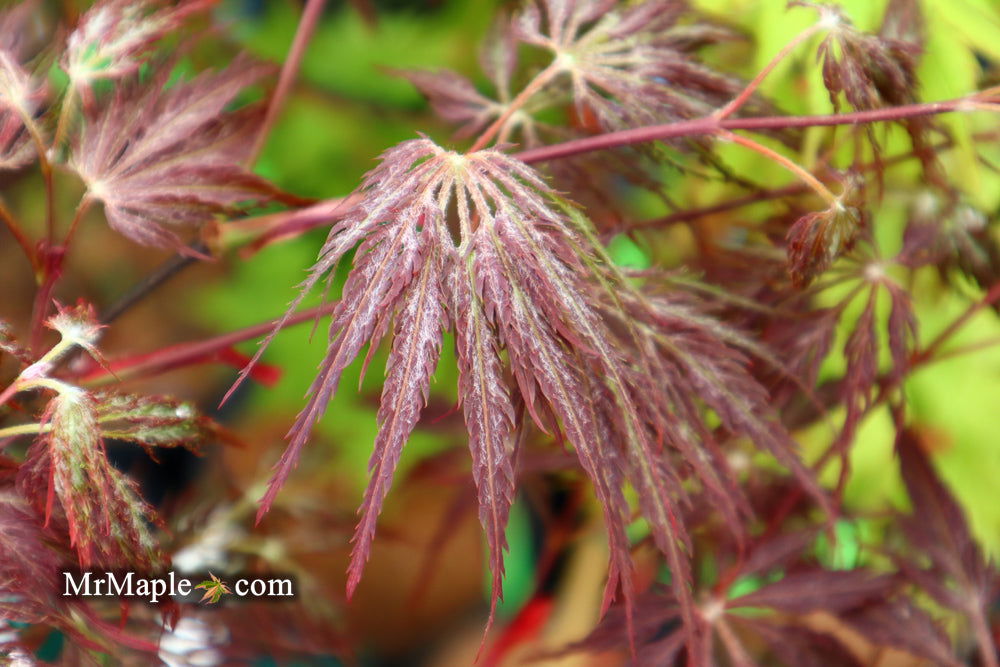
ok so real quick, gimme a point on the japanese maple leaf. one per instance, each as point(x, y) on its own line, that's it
point(161, 157)
point(113, 38)
point(67, 467)
point(541, 318)
point(630, 65)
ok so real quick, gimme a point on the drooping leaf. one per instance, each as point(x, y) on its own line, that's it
point(515, 269)
point(29, 566)
point(414, 356)
point(489, 418)
point(861, 352)
point(21, 95)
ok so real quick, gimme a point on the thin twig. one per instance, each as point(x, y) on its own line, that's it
point(745, 94)
point(536, 84)
point(307, 24)
point(992, 296)
point(184, 353)
point(803, 175)
point(150, 283)
point(22, 240)
point(712, 125)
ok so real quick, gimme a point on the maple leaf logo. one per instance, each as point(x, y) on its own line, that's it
point(215, 588)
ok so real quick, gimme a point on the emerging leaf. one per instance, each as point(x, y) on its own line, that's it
point(21, 95)
point(108, 521)
point(816, 239)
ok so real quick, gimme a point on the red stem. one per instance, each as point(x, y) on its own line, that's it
point(712, 125)
point(186, 353)
point(742, 98)
point(307, 24)
point(50, 259)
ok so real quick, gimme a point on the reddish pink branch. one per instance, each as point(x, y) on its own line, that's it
point(307, 24)
point(712, 125)
point(183, 354)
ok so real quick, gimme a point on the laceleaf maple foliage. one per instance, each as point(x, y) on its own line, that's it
point(669, 398)
point(588, 353)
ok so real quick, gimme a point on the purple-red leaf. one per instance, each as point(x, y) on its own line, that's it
point(161, 157)
point(519, 270)
point(813, 590)
point(489, 417)
point(901, 624)
point(29, 566)
point(959, 576)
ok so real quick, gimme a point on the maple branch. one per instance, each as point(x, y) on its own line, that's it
point(255, 233)
point(159, 276)
point(81, 208)
point(307, 24)
point(967, 349)
point(804, 176)
point(687, 215)
point(182, 354)
point(536, 84)
point(712, 125)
